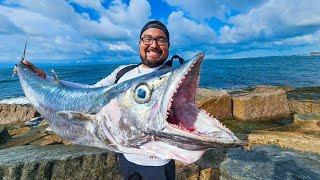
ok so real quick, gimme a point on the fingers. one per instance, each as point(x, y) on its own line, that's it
point(29, 64)
point(26, 62)
point(35, 69)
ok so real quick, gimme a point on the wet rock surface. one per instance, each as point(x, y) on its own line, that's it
point(270, 162)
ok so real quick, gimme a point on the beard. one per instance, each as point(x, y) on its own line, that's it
point(152, 64)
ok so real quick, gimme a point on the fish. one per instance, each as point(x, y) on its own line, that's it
point(150, 115)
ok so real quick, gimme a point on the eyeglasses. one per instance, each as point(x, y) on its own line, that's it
point(149, 40)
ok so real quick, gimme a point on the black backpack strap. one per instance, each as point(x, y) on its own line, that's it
point(169, 63)
point(125, 70)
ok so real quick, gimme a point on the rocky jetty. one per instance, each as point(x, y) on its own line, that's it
point(288, 119)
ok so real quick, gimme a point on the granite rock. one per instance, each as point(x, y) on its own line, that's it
point(58, 162)
point(304, 107)
point(270, 162)
point(261, 104)
point(13, 113)
point(216, 102)
point(304, 100)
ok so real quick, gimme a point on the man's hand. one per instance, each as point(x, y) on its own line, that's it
point(36, 70)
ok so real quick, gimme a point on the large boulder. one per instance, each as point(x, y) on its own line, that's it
point(13, 113)
point(263, 103)
point(270, 162)
point(58, 162)
point(215, 102)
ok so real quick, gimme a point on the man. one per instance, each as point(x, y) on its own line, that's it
point(154, 49)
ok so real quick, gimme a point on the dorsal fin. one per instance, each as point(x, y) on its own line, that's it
point(24, 51)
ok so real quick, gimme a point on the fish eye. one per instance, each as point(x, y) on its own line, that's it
point(142, 93)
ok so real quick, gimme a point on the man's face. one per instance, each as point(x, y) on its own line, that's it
point(154, 54)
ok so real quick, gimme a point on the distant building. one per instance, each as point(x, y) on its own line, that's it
point(315, 53)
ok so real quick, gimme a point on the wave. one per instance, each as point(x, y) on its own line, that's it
point(17, 100)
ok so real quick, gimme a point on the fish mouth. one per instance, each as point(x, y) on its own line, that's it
point(182, 112)
point(183, 117)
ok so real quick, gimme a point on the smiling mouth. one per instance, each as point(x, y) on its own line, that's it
point(153, 52)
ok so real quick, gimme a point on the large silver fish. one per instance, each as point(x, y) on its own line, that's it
point(154, 114)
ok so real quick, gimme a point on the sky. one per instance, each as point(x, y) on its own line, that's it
point(108, 31)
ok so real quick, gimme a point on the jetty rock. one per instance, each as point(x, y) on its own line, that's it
point(13, 113)
point(304, 100)
point(261, 103)
point(75, 162)
point(269, 162)
point(216, 102)
point(58, 162)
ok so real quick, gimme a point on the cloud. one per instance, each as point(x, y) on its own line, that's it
point(243, 5)
point(132, 16)
point(273, 20)
point(185, 32)
point(119, 47)
point(33, 23)
point(7, 27)
point(201, 9)
point(97, 29)
point(94, 4)
point(308, 39)
point(58, 30)
point(63, 13)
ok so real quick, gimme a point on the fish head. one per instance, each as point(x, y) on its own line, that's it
point(161, 108)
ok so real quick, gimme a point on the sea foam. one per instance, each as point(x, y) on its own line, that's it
point(17, 100)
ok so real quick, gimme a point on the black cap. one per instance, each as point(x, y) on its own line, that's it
point(156, 24)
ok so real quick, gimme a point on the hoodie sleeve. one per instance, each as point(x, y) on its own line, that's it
point(109, 80)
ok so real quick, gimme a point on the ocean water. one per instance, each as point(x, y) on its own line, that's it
point(229, 74)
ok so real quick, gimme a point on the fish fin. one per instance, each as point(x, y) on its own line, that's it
point(55, 76)
point(24, 51)
point(75, 116)
point(14, 71)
